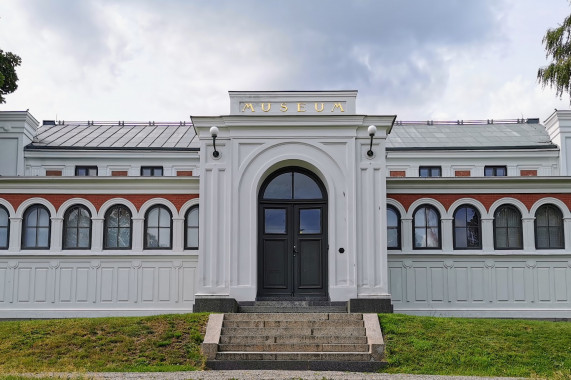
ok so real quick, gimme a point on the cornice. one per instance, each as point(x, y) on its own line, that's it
point(99, 185)
point(506, 185)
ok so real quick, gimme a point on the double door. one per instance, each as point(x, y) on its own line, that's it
point(292, 253)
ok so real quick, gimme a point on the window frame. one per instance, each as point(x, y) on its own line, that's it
point(146, 226)
point(105, 228)
point(65, 227)
point(561, 227)
point(152, 169)
point(24, 227)
point(186, 227)
point(87, 169)
point(397, 228)
point(468, 206)
point(494, 169)
point(7, 228)
point(426, 206)
point(520, 247)
point(431, 169)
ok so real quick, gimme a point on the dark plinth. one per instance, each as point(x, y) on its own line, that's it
point(215, 305)
point(370, 305)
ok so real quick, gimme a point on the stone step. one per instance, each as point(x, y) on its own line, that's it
point(281, 331)
point(293, 324)
point(260, 339)
point(293, 303)
point(297, 365)
point(329, 356)
point(310, 309)
point(291, 317)
point(293, 347)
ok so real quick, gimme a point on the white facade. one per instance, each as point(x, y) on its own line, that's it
point(316, 133)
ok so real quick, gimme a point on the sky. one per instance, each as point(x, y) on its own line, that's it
point(144, 60)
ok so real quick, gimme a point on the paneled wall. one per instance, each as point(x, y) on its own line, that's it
point(49, 287)
point(481, 286)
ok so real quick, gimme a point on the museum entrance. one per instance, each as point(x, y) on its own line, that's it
point(292, 235)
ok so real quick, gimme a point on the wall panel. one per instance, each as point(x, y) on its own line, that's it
point(70, 286)
point(481, 286)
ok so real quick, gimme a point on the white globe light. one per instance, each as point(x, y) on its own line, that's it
point(372, 130)
point(214, 131)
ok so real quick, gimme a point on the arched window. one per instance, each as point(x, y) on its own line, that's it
point(549, 228)
point(36, 228)
point(77, 228)
point(118, 226)
point(426, 228)
point(393, 228)
point(467, 228)
point(191, 223)
point(158, 228)
point(4, 228)
point(507, 228)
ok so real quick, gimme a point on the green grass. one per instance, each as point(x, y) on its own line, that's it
point(420, 345)
point(477, 347)
point(160, 343)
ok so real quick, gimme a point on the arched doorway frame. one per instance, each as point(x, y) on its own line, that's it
point(292, 260)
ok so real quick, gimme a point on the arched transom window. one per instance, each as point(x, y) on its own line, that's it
point(4, 228)
point(507, 228)
point(292, 185)
point(77, 228)
point(549, 228)
point(191, 221)
point(393, 228)
point(117, 228)
point(426, 227)
point(467, 228)
point(36, 228)
point(158, 228)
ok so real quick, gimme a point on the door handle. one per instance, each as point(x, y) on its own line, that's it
point(294, 250)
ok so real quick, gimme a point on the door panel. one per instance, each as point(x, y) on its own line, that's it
point(310, 264)
point(276, 271)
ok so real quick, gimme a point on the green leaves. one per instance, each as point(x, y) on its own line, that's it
point(8, 76)
point(558, 49)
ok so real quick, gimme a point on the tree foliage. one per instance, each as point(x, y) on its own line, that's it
point(8, 76)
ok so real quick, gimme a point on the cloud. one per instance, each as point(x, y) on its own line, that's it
point(151, 60)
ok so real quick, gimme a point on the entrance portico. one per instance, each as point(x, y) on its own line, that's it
point(345, 258)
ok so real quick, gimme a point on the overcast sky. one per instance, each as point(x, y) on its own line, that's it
point(140, 60)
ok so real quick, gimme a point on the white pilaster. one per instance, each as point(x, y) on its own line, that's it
point(56, 234)
point(15, 234)
point(528, 229)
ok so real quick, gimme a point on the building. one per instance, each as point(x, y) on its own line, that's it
point(292, 195)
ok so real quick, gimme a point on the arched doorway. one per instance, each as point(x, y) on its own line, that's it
point(292, 235)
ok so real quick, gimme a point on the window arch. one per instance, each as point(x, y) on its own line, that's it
point(426, 228)
point(191, 228)
point(36, 228)
point(507, 228)
point(118, 228)
point(158, 228)
point(467, 228)
point(77, 228)
point(549, 228)
point(4, 228)
point(292, 183)
point(393, 228)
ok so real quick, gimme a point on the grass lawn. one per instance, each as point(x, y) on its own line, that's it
point(477, 347)
point(421, 345)
point(161, 343)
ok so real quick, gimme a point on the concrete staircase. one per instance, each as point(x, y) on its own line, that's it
point(291, 341)
point(300, 306)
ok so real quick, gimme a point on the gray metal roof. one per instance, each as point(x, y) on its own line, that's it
point(484, 134)
point(116, 136)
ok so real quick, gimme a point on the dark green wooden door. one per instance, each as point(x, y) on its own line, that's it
point(292, 248)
